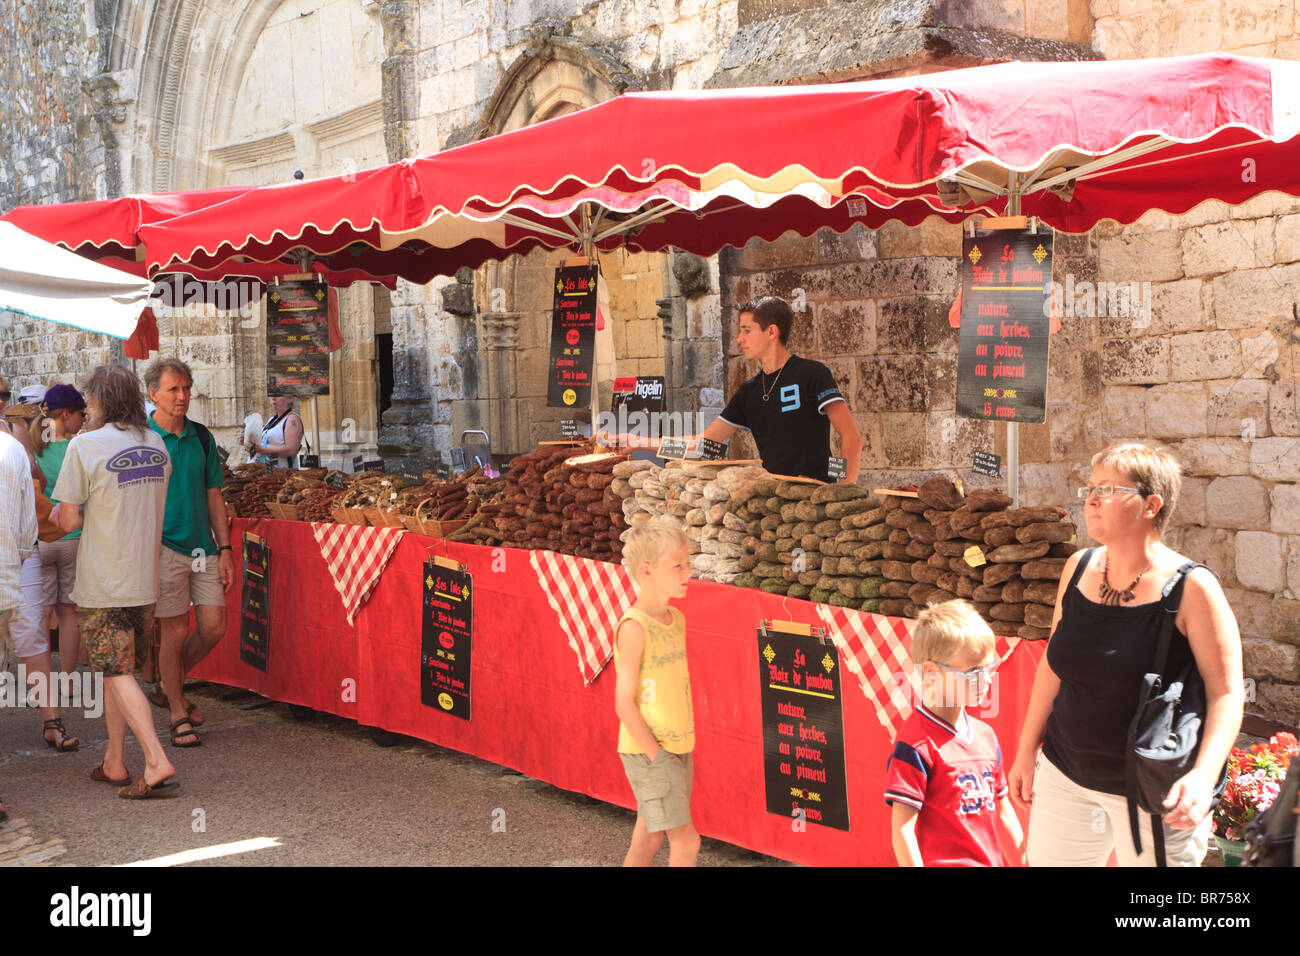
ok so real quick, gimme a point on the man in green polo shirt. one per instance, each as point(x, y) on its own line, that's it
point(195, 564)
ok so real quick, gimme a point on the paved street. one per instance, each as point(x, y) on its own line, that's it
point(313, 793)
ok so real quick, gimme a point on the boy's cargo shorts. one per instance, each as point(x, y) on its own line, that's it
point(662, 788)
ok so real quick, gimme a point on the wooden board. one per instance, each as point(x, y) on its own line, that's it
point(799, 479)
point(894, 491)
point(719, 462)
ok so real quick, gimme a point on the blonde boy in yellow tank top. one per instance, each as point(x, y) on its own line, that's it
point(656, 731)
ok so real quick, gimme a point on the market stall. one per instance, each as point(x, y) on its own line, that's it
point(531, 707)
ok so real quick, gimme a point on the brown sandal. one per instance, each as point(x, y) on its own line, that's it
point(62, 737)
point(141, 790)
point(99, 776)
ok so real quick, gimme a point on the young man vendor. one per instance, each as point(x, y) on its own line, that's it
point(791, 404)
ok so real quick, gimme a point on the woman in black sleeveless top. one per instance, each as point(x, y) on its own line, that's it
point(1086, 690)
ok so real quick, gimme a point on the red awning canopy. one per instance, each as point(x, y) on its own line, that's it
point(1072, 143)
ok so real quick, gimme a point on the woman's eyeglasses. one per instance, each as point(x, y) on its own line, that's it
point(1104, 491)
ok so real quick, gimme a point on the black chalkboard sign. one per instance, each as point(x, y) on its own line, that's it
point(375, 464)
point(569, 429)
point(357, 463)
point(573, 337)
point(1002, 349)
point(803, 728)
point(309, 461)
point(334, 479)
point(297, 338)
point(255, 616)
point(987, 463)
point(446, 633)
point(672, 448)
point(711, 450)
point(837, 468)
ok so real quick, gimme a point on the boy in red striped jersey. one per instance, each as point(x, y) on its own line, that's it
point(945, 778)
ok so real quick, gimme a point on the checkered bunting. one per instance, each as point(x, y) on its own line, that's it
point(588, 598)
point(356, 557)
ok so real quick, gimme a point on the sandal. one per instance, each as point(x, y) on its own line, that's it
point(63, 741)
point(159, 699)
point(176, 732)
point(99, 776)
point(141, 790)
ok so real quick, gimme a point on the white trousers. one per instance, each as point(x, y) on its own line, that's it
point(29, 627)
point(1070, 825)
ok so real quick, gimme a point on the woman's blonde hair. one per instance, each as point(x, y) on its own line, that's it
point(651, 543)
point(945, 631)
point(1153, 471)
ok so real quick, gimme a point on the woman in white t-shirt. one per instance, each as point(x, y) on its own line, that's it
point(281, 436)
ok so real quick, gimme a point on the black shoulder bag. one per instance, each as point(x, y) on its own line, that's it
point(1165, 735)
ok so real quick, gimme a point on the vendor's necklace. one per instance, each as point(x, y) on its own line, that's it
point(1113, 596)
point(767, 392)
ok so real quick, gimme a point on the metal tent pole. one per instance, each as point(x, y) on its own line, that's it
point(1013, 428)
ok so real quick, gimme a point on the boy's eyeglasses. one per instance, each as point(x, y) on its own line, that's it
point(972, 677)
point(1104, 491)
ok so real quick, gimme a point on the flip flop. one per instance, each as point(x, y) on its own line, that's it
point(196, 742)
point(140, 790)
point(99, 776)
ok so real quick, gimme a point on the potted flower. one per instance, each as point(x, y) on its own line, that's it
point(1255, 776)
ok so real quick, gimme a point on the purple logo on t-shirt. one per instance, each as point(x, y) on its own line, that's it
point(137, 463)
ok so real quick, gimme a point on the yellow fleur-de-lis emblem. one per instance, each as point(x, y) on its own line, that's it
point(769, 653)
point(1039, 254)
point(975, 255)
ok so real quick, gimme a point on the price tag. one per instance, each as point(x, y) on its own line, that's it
point(711, 450)
point(334, 479)
point(987, 463)
point(672, 448)
point(358, 463)
point(412, 479)
point(310, 461)
point(974, 556)
point(375, 464)
point(569, 429)
point(458, 457)
point(837, 468)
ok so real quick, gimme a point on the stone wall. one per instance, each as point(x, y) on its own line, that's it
point(53, 153)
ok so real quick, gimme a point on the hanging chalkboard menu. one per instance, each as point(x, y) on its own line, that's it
point(1002, 349)
point(298, 338)
point(573, 337)
point(446, 632)
point(255, 616)
point(803, 728)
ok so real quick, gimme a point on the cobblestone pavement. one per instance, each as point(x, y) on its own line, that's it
point(318, 792)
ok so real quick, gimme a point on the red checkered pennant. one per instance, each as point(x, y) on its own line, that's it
point(877, 649)
point(588, 597)
point(356, 557)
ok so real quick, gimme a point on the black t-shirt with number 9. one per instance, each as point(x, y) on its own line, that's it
point(790, 427)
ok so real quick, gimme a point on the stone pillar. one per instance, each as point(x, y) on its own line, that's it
point(500, 339)
point(407, 427)
point(401, 88)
